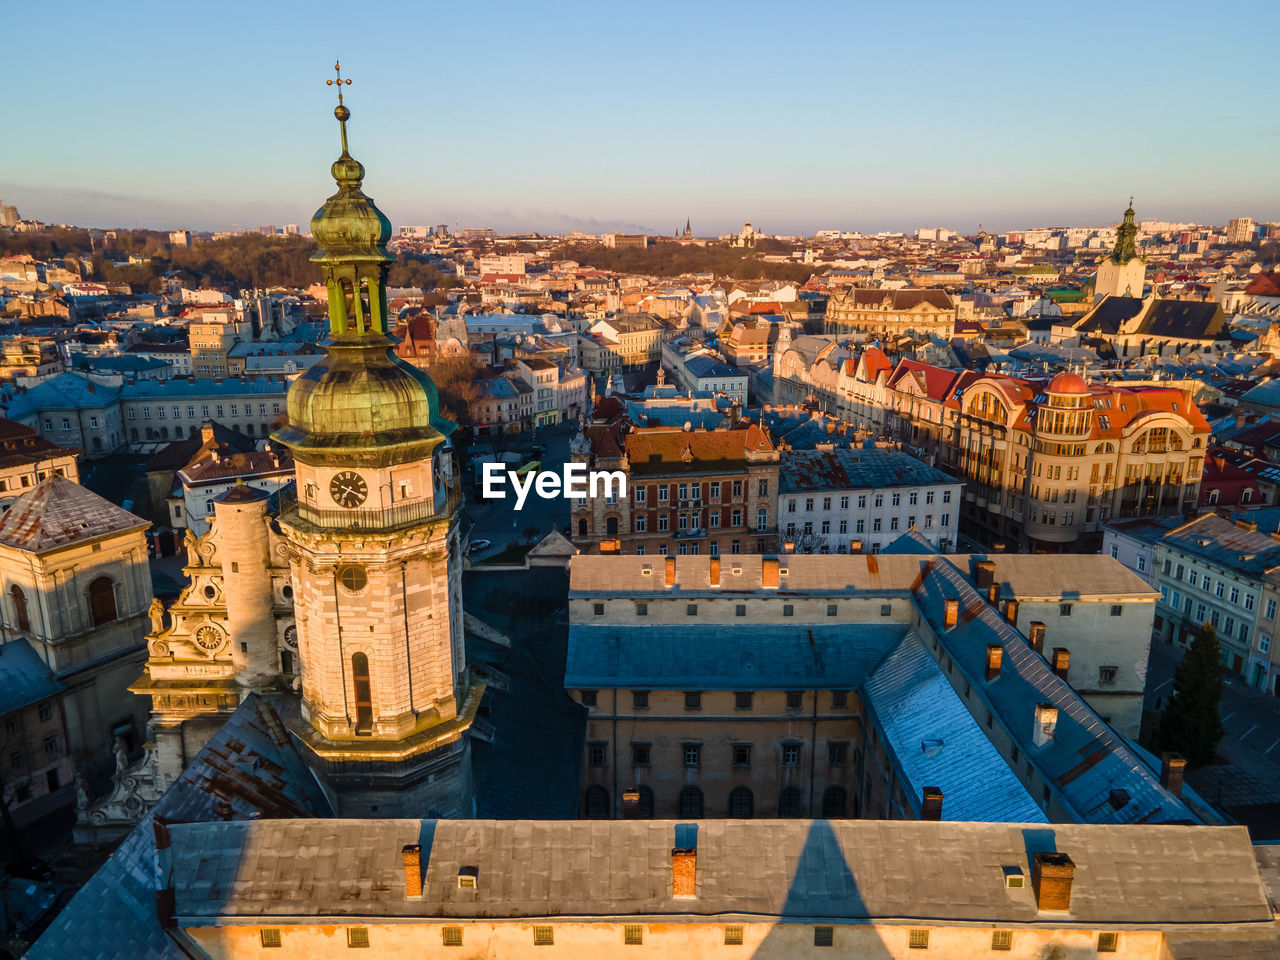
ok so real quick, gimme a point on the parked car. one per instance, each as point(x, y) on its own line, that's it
point(477, 546)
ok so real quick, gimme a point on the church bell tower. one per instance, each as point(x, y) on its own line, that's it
point(387, 700)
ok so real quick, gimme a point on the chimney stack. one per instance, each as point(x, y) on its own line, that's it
point(631, 804)
point(1046, 723)
point(684, 871)
point(769, 572)
point(931, 803)
point(1011, 611)
point(222, 810)
point(1061, 661)
point(993, 593)
point(412, 855)
point(1051, 875)
point(670, 567)
point(951, 615)
point(1172, 768)
point(1036, 636)
point(714, 572)
point(789, 546)
point(855, 546)
point(984, 573)
point(995, 657)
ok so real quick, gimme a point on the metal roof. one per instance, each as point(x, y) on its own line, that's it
point(1086, 762)
point(727, 657)
point(803, 471)
point(250, 764)
point(25, 679)
point(837, 870)
point(935, 741)
point(57, 512)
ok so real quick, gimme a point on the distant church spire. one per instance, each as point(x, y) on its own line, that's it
point(1126, 238)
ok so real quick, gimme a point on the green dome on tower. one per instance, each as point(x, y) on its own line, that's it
point(360, 397)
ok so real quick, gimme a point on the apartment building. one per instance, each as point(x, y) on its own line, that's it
point(698, 369)
point(855, 500)
point(1213, 571)
point(694, 491)
point(887, 313)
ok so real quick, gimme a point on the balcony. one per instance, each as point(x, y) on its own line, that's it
point(394, 517)
point(691, 534)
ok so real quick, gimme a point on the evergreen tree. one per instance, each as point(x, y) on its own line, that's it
point(1190, 724)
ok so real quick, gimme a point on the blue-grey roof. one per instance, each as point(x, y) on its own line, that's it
point(1086, 760)
point(845, 469)
point(725, 657)
point(1212, 539)
point(66, 391)
point(124, 364)
point(912, 542)
point(934, 741)
point(250, 764)
point(24, 678)
point(192, 387)
point(704, 366)
point(1267, 394)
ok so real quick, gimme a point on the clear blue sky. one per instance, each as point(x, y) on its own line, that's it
point(610, 115)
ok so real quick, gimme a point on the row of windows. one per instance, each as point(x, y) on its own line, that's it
point(1218, 588)
point(740, 754)
point(741, 804)
point(742, 699)
point(788, 609)
point(687, 491)
point(876, 524)
point(895, 499)
point(132, 412)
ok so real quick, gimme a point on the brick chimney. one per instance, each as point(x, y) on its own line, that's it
point(713, 572)
point(1051, 875)
point(951, 613)
point(670, 567)
point(769, 572)
point(984, 573)
point(1011, 611)
point(1061, 661)
point(855, 546)
point(1036, 636)
point(206, 431)
point(993, 593)
point(411, 853)
point(1046, 723)
point(995, 657)
point(1172, 768)
point(684, 871)
point(789, 546)
point(610, 546)
point(931, 803)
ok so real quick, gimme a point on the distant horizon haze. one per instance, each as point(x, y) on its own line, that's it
point(846, 116)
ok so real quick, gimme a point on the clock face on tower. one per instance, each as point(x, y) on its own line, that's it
point(348, 489)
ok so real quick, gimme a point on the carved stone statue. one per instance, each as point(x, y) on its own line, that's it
point(122, 755)
point(189, 541)
point(156, 613)
point(82, 794)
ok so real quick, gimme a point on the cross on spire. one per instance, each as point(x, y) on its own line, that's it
point(337, 68)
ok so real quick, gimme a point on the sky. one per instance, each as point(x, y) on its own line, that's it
point(633, 116)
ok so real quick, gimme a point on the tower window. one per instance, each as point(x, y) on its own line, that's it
point(364, 696)
point(102, 600)
point(352, 578)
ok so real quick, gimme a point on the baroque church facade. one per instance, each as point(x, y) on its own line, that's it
point(341, 596)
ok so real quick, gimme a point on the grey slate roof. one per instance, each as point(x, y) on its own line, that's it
point(250, 764)
point(722, 657)
point(1215, 540)
point(25, 679)
point(1086, 760)
point(935, 741)
point(840, 870)
point(57, 512)
point(805, 471)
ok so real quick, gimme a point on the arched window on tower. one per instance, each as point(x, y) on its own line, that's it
point(102, 601)
point(742, 803)
point(364, 695)
point(20, 617)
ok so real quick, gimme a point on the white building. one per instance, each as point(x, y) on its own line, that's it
point(830, 499)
